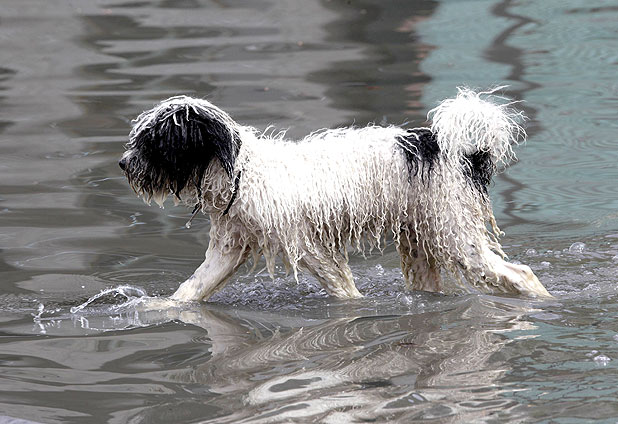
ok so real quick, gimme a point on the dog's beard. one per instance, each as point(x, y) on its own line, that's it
point(148, 181)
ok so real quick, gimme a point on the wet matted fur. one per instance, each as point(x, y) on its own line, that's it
point(310, 201)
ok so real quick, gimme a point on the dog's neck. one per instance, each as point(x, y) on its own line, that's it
point(217, 191)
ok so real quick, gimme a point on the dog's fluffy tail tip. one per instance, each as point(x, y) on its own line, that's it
point(478, 121)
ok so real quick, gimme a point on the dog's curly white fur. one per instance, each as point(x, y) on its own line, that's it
point(309, 201)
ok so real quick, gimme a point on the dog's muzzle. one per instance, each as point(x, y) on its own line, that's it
point(122, 163)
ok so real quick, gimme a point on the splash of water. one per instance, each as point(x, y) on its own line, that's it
point(114, 308)
point(129, 292)
point(37, 318)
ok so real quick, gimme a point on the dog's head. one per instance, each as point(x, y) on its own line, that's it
point(171, 146)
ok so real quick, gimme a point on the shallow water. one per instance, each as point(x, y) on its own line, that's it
point(75, 73)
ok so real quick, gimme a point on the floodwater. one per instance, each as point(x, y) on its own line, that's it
point(74, 73)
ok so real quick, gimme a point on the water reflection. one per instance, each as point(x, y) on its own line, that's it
point(392, 53)
point(269, 367)
point(501, 52)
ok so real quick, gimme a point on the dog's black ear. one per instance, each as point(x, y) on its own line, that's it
point(178, 139)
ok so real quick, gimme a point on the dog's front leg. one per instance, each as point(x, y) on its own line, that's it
point(211, 275)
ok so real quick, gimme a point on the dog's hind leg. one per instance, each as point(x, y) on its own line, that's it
point(211, 275)
point(417, 266)
point(332, 271)
point(490, 273)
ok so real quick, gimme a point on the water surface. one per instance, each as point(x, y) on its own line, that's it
point(74, 74)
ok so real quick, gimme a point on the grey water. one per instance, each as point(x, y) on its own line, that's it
point(80, 255)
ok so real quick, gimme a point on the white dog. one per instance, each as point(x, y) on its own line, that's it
point(310, 201)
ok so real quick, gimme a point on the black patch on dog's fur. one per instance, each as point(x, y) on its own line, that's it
point(421, 149)
point(479, 168)
point(176, 149)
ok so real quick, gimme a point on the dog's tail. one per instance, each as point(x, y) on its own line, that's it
point(479, 128)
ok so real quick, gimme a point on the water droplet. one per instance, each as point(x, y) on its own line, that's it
point(602, 359)
point(577, 247)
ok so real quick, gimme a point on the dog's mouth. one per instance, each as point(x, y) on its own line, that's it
point(141, 182)
point(154, 186)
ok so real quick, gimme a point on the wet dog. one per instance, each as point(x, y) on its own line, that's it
point(310, 201)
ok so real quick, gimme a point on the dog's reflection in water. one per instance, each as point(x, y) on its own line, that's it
point(429, 364)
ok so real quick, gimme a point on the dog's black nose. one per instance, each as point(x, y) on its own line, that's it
point(122, 163)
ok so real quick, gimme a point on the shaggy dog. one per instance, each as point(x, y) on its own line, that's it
point(310, 201)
